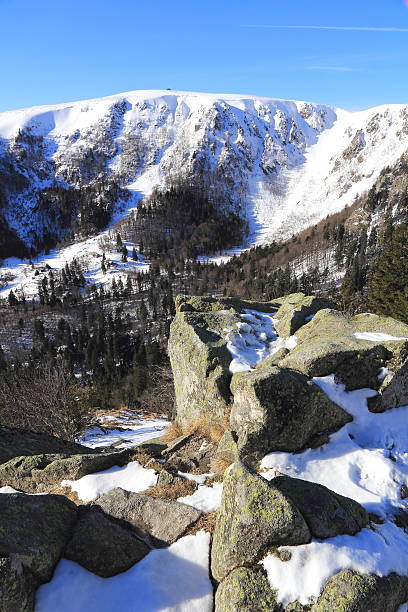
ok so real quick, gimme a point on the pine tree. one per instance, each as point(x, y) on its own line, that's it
point(119, 243)
point(124, 254)
point(388, 286)
point(103, 266)
point(134, 254)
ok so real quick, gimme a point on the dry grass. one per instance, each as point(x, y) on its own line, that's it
point(206, 522)
point(172, 432)
point(141, 457)
point(220, 464)
point(180, 488)
point(67, 492)
point(203, 427)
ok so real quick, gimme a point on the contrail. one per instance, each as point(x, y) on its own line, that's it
point(316, 27)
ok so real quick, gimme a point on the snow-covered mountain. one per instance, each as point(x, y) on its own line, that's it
point(282, 164)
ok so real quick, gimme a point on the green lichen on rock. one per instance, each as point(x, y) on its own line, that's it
point(328, 344)
point(279, 409)
point(246, 590)
point(294, 311)
point(227, 449)
point(37, 473)
point(254, 515)
point(17, 586)
point(350, 591)
point(35, 529)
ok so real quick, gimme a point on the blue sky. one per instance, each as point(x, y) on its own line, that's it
point(58, 50)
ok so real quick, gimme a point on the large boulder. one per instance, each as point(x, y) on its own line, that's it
point(37, 473)
point(254, 515)
point(246, 589)
point(34, 531)
point(18, 442)
point(326, 513)
point(200, 363)
point(277, 409)
point(350, 347)
point(102, 545)
point(191, 303)
point(165, 521)
point(296, 310)
point(393, 391)
point(350, 591)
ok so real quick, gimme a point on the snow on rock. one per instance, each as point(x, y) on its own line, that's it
point(376, 336)
point(175, 579)
point(382, 550)
point(206, 499)
point(255, 340)
point(366, 460)
point(132, 477)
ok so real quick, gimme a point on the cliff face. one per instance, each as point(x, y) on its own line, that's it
point(281, 164)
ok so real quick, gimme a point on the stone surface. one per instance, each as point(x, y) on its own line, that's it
point(349, 591)
point(191, 303)
point(328, 345)
point(246, 590)
point(102, 545)
point(200, 361)
point(36, 473)
point(254, 516)
point(279, 409)
point(393, 391)
point(294, 311)
point(326, 513)
point(18, 442)
point(164, 520)
point(227, 449)
point(17, 586)
point(35, 529)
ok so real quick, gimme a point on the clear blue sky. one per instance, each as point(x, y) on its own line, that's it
point(61, 50)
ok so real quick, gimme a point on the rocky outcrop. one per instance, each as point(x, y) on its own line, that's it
point(279, 409)
point(198, 350)
point(257, 515)
point(253, 517)
point(102, 545)
point(296, 310)
point(20, 442)
point(37, 473)
point(353, 592)
point(333, 342)
point(165, 521)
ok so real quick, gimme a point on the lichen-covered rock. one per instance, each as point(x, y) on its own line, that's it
point(246, 590)
point(279, 409)
point(328, 344)
point(37, 473)
point(163, 520)
point(103, 546)
point(326, 513)
point(35, 529)
point(254, 515)
point(18, 442)
point(200, 363)
point(227, 449)
point(295, 310)
point(189, 303)
point(393, 391)
point(17, 586)
point(349, 591)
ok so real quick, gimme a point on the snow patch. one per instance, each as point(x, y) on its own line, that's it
point(175, 579)
point(206, 499)
point(376, 336)
point(132, 477)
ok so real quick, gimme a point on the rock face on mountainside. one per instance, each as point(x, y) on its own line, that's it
point(246, 146)
point(267, 517)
